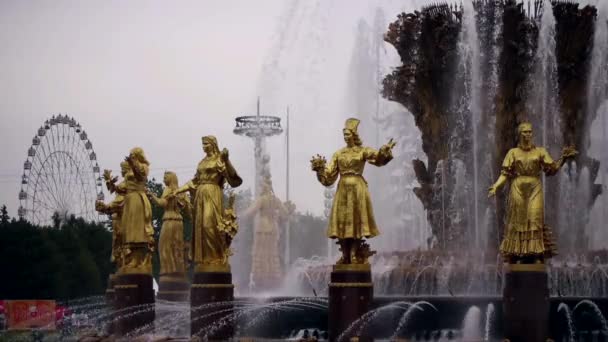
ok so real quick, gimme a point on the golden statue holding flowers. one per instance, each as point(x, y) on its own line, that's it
point(526, 237)
point(214, 226)
point(352, 217)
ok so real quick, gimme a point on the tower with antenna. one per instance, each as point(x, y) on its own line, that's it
point(266, 270)
point(258, 127)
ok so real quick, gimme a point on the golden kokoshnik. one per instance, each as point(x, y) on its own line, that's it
point(352, 217)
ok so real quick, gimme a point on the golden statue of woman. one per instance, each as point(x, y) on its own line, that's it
point(352, 217)
point(171, 241)
point(114, 208)
point(136, 221)
point(526, 237)
point(212, 226)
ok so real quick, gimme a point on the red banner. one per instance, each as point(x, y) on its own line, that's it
point(30, 314)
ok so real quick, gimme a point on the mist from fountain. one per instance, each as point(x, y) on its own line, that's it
point(597, 100)
point(406, 316)
point(470, 55)
point(471, 326)
point(489, 321)
point(542, 104)
point(398, 212)
point(563, 307)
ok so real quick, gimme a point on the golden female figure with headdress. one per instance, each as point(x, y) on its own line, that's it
point(526, 237)
point(171, 240)
point(352, 217)
point(136, 221)
point(210, 243)
point(114, 208)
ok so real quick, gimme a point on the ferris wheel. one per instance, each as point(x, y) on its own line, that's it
point(60, 175)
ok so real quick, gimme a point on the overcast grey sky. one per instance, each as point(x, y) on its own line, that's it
point(161, 74)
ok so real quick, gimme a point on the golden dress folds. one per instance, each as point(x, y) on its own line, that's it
point(171, 241)
point(526, 233)
point(208, 239)
point(136, 221)
point(351, 214)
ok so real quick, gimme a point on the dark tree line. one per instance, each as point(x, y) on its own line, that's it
point(64, 262)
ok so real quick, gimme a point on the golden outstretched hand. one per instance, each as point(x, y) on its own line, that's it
point(492, 191)
point(107, 175)
point(569, 152)
point(224, 154)
point(100, 206)
point(317, 163)
point(388, 146)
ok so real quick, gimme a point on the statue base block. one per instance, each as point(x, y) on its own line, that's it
point(173, 288)
point(207, 319)
point(350, 295)
point(111, 302)
point(526, 303)
point(134, 302)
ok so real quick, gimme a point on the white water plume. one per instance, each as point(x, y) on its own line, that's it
point(598, 130)
point(471, 55)
point(471, 326)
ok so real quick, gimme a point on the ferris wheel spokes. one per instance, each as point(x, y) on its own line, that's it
point(60, 174)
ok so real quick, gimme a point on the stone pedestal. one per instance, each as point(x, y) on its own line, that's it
point(134, 302)
point(526, 303)
point(350, 294)
point(175, 288)
point(211, 284)
point(111, 302)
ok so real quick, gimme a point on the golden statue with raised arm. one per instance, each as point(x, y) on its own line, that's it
point(114, 209)
point(352, 218)
point(526, 237)
point(212, 224)
point(171, 240)
point(136, 221)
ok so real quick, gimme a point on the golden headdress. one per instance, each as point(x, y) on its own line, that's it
point(351, 124)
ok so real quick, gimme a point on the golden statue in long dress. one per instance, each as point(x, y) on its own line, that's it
point(213, 227)
point(136, 221)
point(526, 235)
point(171, 240)
point(114, 209)
point(352, 217)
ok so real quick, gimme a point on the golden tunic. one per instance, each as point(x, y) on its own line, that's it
point(525, 230)
point(115, 207)
point(136, 221)
point(171, 240)
point(351, 214)
point(209, 243)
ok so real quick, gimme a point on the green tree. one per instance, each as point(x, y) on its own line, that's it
point(69, 262)
point(4, 218)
